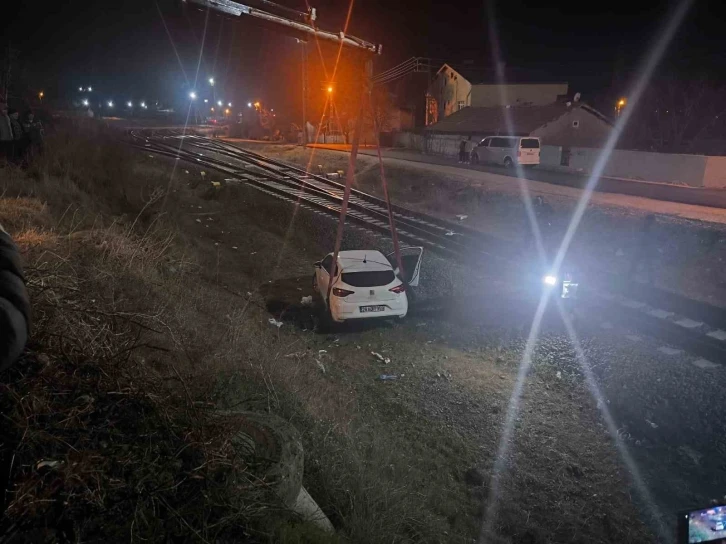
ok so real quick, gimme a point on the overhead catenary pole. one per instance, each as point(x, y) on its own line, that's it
point(304, 55)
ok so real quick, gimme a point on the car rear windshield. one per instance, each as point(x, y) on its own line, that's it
point(530, 143)
point(368, 279)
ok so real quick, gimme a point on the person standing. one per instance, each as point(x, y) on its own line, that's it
point(6, 132)
point(468, 148)
point(18, 135)
point(33, 131)
point(462, 150)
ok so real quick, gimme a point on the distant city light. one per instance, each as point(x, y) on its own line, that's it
point(211, 109)
point(226, 111)
point(219, 103)
point(130, 104)
point(205, 100)
point(211, 81)
point(257, 104)
point(143, 104)
point(193, 95)
point(110, 103)
point(229, 104)
point(271, 109)
point(41, 94)
point(330, 89)
point(90, 89)
point(621, 102)
point(249, 104)
point(80, 89)
point(85, 102)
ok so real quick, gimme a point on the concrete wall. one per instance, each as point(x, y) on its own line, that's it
point(578, 127)
point(691, 170)
point(536, 94)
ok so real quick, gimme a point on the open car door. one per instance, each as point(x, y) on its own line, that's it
point(411, 257)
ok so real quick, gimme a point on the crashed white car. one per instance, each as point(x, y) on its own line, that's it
point(367, 284)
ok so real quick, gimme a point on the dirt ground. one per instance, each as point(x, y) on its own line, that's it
point(403, 460)
point(688, 255)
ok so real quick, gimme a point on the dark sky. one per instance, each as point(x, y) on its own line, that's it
point(123, 49)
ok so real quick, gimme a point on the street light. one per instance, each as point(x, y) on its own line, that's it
point(80, 89)
point(226, 111)
point(193, 95)
point(85, 102)
point(130, 104)
point(110, 103)
point(219, 103)
point(90, 89)
point(143, 105)
point(620, 105)
point(229, 104)
point(249, 104)
point(205, 100)
point(211, 81)
point(41, 94)
point(330, 89)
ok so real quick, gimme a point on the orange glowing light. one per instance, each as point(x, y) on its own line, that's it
point(330, 89)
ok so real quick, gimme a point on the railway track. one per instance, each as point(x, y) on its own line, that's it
point(695, 326)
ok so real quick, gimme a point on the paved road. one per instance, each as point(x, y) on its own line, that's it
point(700, 204)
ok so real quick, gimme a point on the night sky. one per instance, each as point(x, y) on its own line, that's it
point(125, 52)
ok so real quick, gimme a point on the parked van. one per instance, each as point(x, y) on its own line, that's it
point(507, 150)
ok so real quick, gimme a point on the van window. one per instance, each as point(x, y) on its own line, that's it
point(530, 143)
point(368, 279)
point(502, 142)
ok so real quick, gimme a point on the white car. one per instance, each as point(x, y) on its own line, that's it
point(366, 284)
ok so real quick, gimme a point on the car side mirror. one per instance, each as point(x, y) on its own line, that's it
point(318, 264)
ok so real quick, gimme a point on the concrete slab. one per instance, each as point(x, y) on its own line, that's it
point(689, 323)
point(669, 351)
point(705, 364)
point(660, 314)
point(718, 334)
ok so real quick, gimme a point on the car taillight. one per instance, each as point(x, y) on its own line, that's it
point(398, 289)
point(341, 292)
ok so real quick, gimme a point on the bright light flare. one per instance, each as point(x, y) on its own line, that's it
point(211, 81)
point(85, 102)
point(219, 103)
point(90, 89)
point(229, 104)
point(130, 104)
point(193, 95)
point(143, 105)
point(330, 89)
point(110, 103)
point(550, 280)
point(249, 104)
point(80, 89)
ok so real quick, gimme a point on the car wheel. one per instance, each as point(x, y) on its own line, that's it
point(508, 162)
point(474, 158)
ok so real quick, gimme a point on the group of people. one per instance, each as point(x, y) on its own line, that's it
point(465, 149)
point(18, 138)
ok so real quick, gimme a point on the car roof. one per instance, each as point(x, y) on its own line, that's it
point(358, 260)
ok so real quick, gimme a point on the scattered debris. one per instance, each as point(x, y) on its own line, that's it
point(559, 375)
point(216, 184)
point(234, 247)
point(322, 367)
point(381, 358)
point(275, 322)
point(307, 301)
point(461, 217)
point(199, 220)
point(49, 464)
point(450, 233)
point(151, 156)
point(654, 425)
point(388, 377)
point(186, 171)
point(322, 351)
point(210, 219)
point(203, 173)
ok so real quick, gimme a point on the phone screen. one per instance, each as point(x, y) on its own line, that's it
point(707, 525)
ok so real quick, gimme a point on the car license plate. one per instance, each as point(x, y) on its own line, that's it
point(364, 309)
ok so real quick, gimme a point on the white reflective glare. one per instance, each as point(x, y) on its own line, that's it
point(550, 280)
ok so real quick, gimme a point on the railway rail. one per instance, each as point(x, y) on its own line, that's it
point(698, 327)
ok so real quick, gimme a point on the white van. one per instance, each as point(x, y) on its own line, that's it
point(507, 150)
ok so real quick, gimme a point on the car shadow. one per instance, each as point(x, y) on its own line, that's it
point(286, 300)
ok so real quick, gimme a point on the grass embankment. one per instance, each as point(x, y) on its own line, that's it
point(109, 426)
